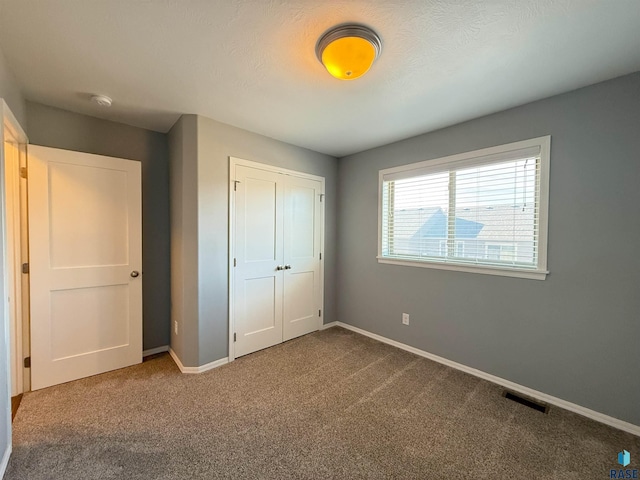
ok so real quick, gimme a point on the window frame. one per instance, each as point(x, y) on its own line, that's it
point(467, 159)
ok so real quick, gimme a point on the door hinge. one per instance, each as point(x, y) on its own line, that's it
point(320, 255)
point(321, 197)
point(319, 313)
point(27, 362)
point(23, 172)
point(234, 336)
point(25, 268)
point(235, 262)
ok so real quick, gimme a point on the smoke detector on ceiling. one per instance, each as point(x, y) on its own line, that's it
point(101, 100)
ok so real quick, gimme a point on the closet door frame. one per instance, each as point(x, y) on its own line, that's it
point(233, 162)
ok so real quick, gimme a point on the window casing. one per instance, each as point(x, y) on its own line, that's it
point(483, 211)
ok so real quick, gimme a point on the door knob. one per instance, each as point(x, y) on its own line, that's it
point(135, 273)
point(279, 267)
point(287, 267)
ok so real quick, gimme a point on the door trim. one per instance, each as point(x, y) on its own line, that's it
point(11, 129)
point(233, 162)
point(18, 288)
point(13, 223)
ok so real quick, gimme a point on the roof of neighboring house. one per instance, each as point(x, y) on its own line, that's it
point(436, 227)
point(508, 222)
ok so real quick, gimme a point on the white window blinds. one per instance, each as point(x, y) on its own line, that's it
point(480, 209)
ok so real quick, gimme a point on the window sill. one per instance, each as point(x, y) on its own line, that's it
point(483, 269)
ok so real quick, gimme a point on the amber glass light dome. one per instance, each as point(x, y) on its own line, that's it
point(348, 51)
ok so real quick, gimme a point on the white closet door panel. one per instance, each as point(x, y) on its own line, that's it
point(261, 235)
point(302, 236)
point(258, 285)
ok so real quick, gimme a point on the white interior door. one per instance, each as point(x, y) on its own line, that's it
point(85, 264)
point(259, 259)
point(302, 236)
point(277, 289)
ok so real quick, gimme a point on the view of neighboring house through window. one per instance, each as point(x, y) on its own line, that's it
point(480, 209)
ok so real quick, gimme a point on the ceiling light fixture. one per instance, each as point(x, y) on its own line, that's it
point(101, 100)
point(348, 51)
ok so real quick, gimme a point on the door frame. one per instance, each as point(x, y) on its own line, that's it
point(233, 162)
point(11, 130)
point(17, 317)
point(16, 250)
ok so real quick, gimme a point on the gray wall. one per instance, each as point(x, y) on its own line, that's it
point(10, 91)
point(574, 335)
point(216, 142)
point(183, 170)
point(57, 128)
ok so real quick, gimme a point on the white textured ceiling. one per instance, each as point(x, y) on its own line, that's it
point(252, 63)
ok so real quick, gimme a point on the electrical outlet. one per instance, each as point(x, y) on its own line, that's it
point(405, 319)
point(175, 326)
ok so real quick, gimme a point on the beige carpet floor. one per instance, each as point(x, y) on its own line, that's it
point(330, 405)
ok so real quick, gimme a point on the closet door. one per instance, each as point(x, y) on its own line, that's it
point(277, 232)
point(302, 237)
point(258, 278)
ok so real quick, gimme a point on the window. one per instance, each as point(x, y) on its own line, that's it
point(459, 248)
point(482, 211)
point(501, 252)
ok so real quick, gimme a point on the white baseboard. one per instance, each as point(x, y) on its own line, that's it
point(329, 325)
point(153, 351)
point(202, 368)
point(5, 460)
point(572, 407)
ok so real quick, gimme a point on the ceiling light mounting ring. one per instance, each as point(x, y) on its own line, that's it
point(348, 30)
point(347, 51)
